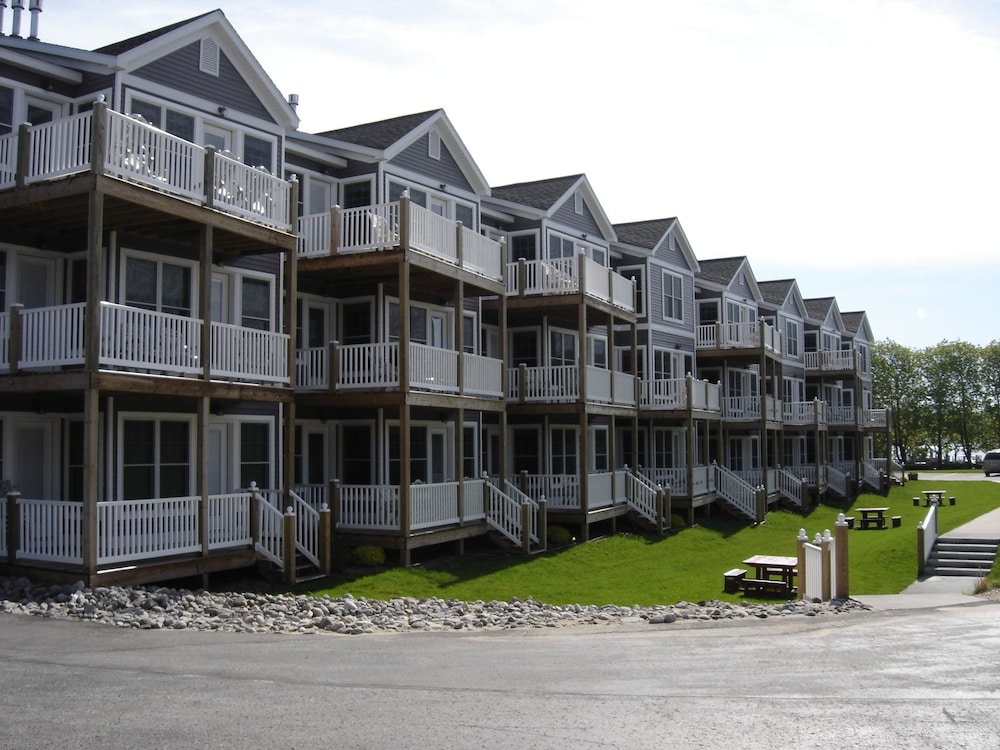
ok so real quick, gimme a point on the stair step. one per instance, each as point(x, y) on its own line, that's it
point(963, 554)
point(956, 572)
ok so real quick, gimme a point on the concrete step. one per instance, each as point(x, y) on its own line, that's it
point(956, 572)
point(963, 555)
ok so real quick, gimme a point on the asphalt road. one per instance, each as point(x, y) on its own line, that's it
point(911, 679)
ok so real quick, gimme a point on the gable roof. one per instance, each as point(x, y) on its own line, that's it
point(776, 292)
point(543, 198)
point(137, 51)
point(822, 309)
point(722, 272)
point(645, 237)
point(856, 322)
point(385, 139)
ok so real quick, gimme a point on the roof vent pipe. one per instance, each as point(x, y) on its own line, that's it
point(35, 7)
point(293, 99)
point(18, 6)
point(3, 7)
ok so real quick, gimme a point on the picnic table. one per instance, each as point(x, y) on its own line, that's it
point(772, 574)
point(872, 517)
point(933, 497)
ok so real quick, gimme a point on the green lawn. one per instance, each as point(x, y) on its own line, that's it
point(686, 565)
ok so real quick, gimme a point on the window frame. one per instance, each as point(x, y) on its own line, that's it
point(674, 303)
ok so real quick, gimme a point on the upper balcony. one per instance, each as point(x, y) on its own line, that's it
point(400, 224)
point(108, 143)
point(378, 367)
point(564, 384)
point(680, 394)
point(754, 335)
point(839, 361)
point(570, 276)
point(140, 341)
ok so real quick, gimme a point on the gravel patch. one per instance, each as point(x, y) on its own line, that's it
point(154, 608)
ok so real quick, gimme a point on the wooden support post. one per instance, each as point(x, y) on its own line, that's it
point(336, 215)
point(800, 550)
point(15, 338)
point(206, 259)
point(334, 505)
point(210, 176)
point(826, 542)
point(23, 154)
point(842, 585)
point(333, 366)
point(404, 233)
point(522, 277)
point(522, 382)
point(288, 546)
point(526, 528)
point(543, 522)
point(91, 481)
point(201, 476)
point(325, 532)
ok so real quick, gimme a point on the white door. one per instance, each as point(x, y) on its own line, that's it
point(218, 460)
point(31, 470)
point(438, 456)
point(438, 330)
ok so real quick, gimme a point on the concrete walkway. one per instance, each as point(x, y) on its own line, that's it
point(943, 591)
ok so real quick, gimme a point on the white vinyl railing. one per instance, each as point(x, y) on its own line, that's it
point(562, 276)
point(314, 495)
point(270, 531)
point(642, 496)
point(871, 475)
point(542, 384)
point(251, 192)
point(365, 506)
point(561, 491)
point(50, 531)
point(747, 335)
point(804, 412)
point(810, 581)
point(433, 234)
point(840, 415)
point(229, 520)
point(809, 472)
point(875, 417)
point(927, 536)
point(306, 528)
point(368, 228)
point(481, 254)
point(433, 504)
point(149, 340)
point(473, 501)
point(601, 490)
point(363, 366)
point(741, 408)
point(59, 148)
point(482, 376)
point(241, 353)
point(847, 360)
point(665, 394)
point(143, 529)
point(433, 368)
point(741, 494)
point(312, 368)
point(314, 235)
point(8, 160)
point(790, 486)
point(52, 336)
point(675, 478)
point(139, 152)
point(836, 480)
point(504, 512)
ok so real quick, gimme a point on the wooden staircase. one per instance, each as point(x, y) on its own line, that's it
point(972, 558)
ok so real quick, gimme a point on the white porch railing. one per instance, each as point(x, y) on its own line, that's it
point(433, 234)
point(229, 520)
point(741, 408)
point(927, 536)
point(804, 412)
point(774, 409)
point(433, 505)
point(810, 580)
point(240, 353)
point(143, 529)
point(366, 366)
point(840, 415)
point(50, 531)
point(747, 335)
point(675, 478)
point(809, 472)
point(871, 475)
point(52, 336)
point(433, 368)
point(59, 147)
point(837, 480)
point(307, 521)
point(138, 339)
point(543, 384)
point(664, 394)
point(505, 512)
point(847, 360)
point(312, 370)
point(314, 495)
point(271, 531)
point(603, 490)
point(482, 376)
point(623, 385)
point(369, 506)
point(473, 501)
point(251, 192)
point(875, 417)
point(563, 275)
point(642, 496)
point(561, 491)
point(481, 254)
point(139, 152)
point(8, 160)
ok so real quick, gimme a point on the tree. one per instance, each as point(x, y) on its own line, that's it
point(898, 385)
point(990, 437)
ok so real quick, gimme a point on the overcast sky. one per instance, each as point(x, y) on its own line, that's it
point(853, 145)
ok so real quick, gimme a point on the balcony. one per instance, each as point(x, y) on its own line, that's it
point(846, 360)
point(401, 224)
point(136, 340)
point(805, 412)
point(570, 276)
point(127, 148)
point(561, 384)
point(680, 394)
point(729, 336)
point(376, 367)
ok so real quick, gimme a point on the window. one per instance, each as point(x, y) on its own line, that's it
point(708, 312)
point(356, 453)
point(255, 454)
point(6, 110)
point(625, 357)
point(562, 348)
point(792, 338)
point(673, 296)
point(418, 323)
point(525, 450)
point(175, 123)
point(469, 452)
point(663, 449)
point(598, 254)
point(434, 145)
point(599, 453)
point(578, 202)
point(465, 214)
point(257, 152)
point(256, 304)
point(523, 246)
point(156, 458)
point(564, 450)
point(154, 284)
point(357, 194)
point(524, 348)
point(560, 247)
point(638, 275)
point(469, 333)
point(597, 351)
point(74, 460)
point(662, 364)
point(356, 323)
point(417, 196)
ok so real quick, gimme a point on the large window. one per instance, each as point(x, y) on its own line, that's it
point(6, 110)
point(255, 454)
point(673, 296)
point(156, 284)
point(357, 194)
point(255, 304)
point(523, 246)
point(562, 348)
point(560, 247)
point(564, 450)
point(156, 458)
point(356, 453)
point(356, 322)
point(637, 274)
point(792, 347)
point(257, 152)
point(600, 459)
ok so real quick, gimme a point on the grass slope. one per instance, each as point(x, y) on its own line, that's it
point(686, 565)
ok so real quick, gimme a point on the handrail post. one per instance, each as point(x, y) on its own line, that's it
point(842, 574)
point(522, 277)
point(543, 523)
point(526, 527)
point(335, 510)
point(325, 541)
point(209, 176)
point(336, 219)
point(404, 221)
point(23, 154)
point(825, 544)
point(98, 136)
point(333, 365)
point(254, 514)
point(800, 551)
point(459, 245)
point(522, 382)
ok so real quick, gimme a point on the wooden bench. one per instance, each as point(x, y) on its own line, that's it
point(732, 580)
point(872, 523)
point(765, 586)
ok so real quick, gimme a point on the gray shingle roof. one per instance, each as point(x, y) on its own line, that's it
point(382, 134)
point(853, 320)
point(775, 292)
point(540, 194)
point(645, 234)
point(720, 270)
point(117, 48)
point(818, 307)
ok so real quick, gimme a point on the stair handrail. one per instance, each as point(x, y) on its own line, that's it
point(836, 480)
point(790, 486)
point(306, 528)
point(641, 495)
point(736, 491)
point(270, 541)
point(503, 512)
point(927, 536)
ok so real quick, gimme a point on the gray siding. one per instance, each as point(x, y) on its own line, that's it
point(584, 222)
point(446, 169)
point(179, 70)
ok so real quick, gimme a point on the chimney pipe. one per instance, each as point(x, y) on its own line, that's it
point(18, 6)
point(293, 99)
point(35, 7)
point(3, 7)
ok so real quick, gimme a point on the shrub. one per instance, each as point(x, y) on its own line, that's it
point(677, 521)
point(558, 536)
point(368, 555)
